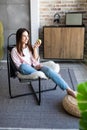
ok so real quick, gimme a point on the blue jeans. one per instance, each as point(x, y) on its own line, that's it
point(27, 69)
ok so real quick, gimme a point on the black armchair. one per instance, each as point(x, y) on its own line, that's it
point(14, 73)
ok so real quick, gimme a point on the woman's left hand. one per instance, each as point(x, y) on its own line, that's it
point(38, 67)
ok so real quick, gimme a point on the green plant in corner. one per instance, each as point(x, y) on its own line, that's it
point(82, 104)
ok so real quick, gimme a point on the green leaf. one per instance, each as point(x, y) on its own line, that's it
point(83, 124)
point(82, 104)
point(81, 97)
point(82, 89)
point(84, 116)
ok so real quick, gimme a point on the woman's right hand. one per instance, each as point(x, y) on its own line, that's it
point(38, 43)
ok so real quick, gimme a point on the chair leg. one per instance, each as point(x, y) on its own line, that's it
point(39, 91)
point(38, 98)
point(9, 83)
point(19, 95)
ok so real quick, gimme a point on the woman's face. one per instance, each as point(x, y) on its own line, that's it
point(25, 38)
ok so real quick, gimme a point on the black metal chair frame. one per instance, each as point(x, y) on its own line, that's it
point(12, 74)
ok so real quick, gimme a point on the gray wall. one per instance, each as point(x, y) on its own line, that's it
point(34, 22)
point(14, 14)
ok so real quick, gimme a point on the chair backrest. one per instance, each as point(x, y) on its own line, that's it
point(10, 65)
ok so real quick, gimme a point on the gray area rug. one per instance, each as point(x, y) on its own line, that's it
point(23, 112)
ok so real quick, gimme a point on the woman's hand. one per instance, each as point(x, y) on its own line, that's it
point(38, 67)
point(37, 44)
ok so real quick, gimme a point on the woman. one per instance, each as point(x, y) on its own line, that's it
point(25, 57)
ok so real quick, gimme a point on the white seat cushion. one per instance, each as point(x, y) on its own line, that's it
point(34, 75)
point(40, 74)
point(52, 65)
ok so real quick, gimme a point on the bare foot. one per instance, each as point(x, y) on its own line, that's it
point(71, 92)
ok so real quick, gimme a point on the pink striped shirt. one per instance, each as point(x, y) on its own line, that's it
point(27, 58)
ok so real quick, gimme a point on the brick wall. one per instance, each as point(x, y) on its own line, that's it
point(49, 7)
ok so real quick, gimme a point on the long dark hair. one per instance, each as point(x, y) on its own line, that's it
point(19, 44)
